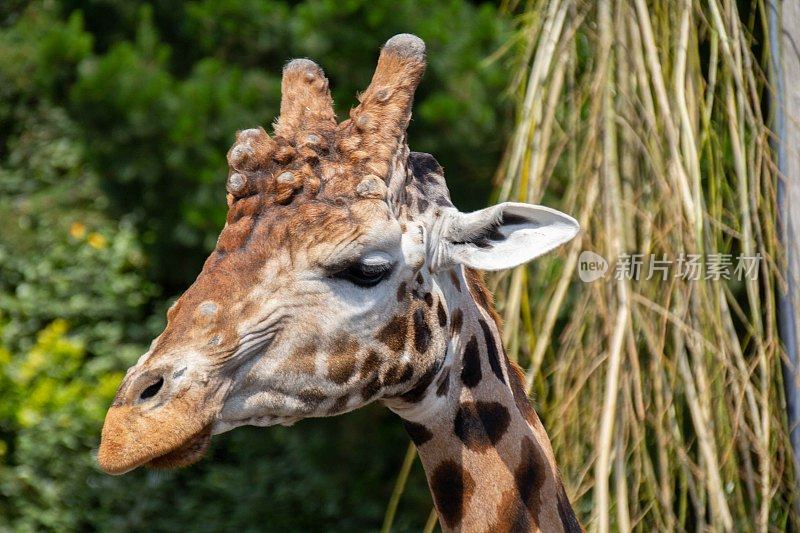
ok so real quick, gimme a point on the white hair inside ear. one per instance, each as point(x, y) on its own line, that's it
point(502, 236)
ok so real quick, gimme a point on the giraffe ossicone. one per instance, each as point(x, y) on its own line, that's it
point(344, 275)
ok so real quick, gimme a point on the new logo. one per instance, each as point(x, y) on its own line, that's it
point(591, 266)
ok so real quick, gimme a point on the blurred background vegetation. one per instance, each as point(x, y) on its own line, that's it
point(649, 120)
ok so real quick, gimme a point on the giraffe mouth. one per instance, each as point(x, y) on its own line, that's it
point(129, 442)
point(186, 454)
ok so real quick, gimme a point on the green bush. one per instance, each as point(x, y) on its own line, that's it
point(51, 403)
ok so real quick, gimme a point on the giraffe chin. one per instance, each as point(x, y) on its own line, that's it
point(189, 453)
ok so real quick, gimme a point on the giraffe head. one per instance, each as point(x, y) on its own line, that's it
point(323, 291)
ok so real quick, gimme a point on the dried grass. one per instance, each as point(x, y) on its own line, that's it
point(663, 398)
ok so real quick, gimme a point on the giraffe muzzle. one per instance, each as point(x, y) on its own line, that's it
point(130, 440)
point(156, 423)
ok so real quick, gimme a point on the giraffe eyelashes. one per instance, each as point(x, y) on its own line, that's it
point(365, 274)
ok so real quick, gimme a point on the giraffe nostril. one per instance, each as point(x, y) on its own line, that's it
point(152, 390)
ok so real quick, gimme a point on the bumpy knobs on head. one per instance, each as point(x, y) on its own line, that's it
point(372, 187)
point(237, 184)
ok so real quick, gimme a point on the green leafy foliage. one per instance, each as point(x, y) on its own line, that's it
point(50, 405)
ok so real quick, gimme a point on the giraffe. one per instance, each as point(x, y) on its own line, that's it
point(344, 275)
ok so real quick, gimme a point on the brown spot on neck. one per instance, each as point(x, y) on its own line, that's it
point(479, 291)
point(517, 379)
point(519, 506)
point(529, 476)
point(512, 515)
point(492, 353)
point(452, 488)
point(471, 364)
point(419, 434)
point(480, 425)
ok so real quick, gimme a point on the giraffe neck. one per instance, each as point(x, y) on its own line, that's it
point(488, 460)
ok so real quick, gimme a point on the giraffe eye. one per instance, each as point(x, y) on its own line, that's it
point(365, 275)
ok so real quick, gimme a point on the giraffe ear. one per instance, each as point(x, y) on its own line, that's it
point(503, 236)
